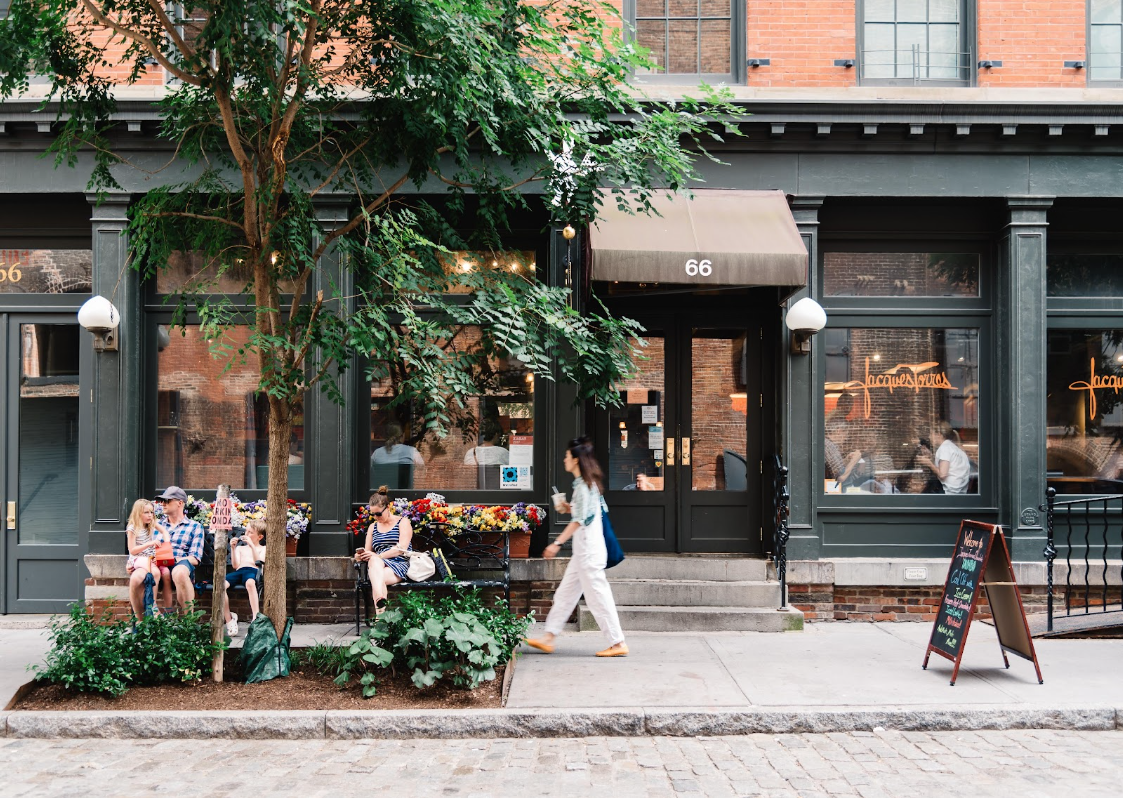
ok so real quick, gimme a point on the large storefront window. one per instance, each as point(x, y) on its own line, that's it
point(46, 271)
point(1084, 411)
point(901, 274)
point(902, 410)
point(212, 423)
point(490, 446)
point(1085, 274)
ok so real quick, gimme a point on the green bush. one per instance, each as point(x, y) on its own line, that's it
point(96, 654)
point(456, 637)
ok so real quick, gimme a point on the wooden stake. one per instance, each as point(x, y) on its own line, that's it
point(220, 525)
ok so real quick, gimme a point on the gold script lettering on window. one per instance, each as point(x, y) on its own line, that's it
point(46, 271)
point(901, 411)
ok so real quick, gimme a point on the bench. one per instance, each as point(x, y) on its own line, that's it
point(470, 552)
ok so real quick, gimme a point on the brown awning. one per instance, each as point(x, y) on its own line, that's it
point(720, 237)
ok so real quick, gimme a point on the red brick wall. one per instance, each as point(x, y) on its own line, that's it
point(1032, 38)
point(870, 603)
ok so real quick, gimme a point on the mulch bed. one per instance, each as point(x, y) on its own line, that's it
point(303, 689)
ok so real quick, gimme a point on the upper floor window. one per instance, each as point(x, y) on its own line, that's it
point(695, 39)
point(909, 42)
point(1105, 40)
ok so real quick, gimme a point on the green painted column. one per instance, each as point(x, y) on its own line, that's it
point(799, 403)
point(116, 430)
point(331, 426)
point(1020, 390)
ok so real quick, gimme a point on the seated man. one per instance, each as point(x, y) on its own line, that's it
point(187, 538)
point(245, 553)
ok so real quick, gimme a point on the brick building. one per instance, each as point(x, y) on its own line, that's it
point(952, 167)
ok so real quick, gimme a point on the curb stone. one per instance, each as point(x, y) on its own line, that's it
point(623, 722)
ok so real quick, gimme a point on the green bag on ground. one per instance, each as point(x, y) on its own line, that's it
point(263, 656)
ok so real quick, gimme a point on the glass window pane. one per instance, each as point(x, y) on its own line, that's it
point(682, 48)
point(1105, 39)
point(46, 271)
point(943, 56)
point(651, 8)
point(901, 274)
point(719, 410)
point(908, 38)
point(717, 8)
point(715, 47)
point(682, 8)
point(491, 445)
point(1107, 11)
point(212, 423)
point(879, 55)
point(1085, 274)
point(635, 430)
point(906, 417)
point(912, 10)
point(652, 34)
point(879, 11)
point(943, 10)
point(48, 433)
point(1084, 411)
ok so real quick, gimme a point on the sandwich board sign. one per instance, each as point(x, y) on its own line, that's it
point(980, 561)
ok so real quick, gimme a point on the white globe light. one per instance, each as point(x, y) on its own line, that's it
point(806, 316)
point(99, 315)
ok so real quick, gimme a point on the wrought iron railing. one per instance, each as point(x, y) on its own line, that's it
point(915, 65)
point(1093, 538)
point(780, 534)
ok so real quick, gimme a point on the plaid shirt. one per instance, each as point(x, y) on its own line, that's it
point(187, 539)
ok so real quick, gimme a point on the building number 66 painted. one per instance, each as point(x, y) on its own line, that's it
point(696, 267)
point(11, 274)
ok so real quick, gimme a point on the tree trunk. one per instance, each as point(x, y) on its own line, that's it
point(280, 428)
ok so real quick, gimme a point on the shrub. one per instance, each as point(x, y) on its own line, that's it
point(456, 637)
point(96, 654)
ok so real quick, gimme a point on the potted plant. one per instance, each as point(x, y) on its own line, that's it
point(296, 522)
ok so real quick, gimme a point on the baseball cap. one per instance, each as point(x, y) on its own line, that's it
point(173, 492)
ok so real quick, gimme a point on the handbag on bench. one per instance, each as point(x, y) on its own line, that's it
point(421, 566)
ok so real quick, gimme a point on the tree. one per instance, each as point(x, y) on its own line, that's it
point(270, 105)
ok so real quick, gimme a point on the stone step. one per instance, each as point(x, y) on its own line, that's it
point(699, 619)
point(687, 567)
point(694, 593)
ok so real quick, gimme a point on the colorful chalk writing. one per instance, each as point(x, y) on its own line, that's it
point(961, 591)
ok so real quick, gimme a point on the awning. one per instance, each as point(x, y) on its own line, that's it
point(720, 237)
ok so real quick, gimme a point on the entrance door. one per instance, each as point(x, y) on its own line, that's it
point(39, 468)
point(683, 453)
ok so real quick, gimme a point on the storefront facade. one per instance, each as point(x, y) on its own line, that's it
point(966, 255)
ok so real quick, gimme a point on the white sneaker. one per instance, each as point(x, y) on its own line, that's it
point(232, 626)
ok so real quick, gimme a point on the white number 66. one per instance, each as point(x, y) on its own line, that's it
point(703, 267)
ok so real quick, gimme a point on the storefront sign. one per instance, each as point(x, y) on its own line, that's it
point(10, 262)
point(1096, 382)
point(904, 376)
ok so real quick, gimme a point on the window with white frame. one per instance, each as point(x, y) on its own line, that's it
point(915, 42)
point(694, 38)
point(1105, 40)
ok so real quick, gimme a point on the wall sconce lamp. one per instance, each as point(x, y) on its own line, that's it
point(1075, 64)
point(805, 318)
point(101, 318)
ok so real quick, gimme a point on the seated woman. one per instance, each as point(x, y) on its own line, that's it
point(950, 463)
point(388, 540)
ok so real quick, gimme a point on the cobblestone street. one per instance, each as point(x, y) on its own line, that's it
point(868, 764)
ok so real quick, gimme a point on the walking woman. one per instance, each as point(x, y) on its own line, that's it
point(585, 572)
point(387, 544)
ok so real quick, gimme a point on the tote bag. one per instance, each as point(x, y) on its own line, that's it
point(611, 544)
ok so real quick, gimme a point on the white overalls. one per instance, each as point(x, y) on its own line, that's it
point(585, 572)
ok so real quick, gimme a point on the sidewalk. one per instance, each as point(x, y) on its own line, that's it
point(830, 677)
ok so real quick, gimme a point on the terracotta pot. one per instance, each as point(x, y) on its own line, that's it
point(519, 547)
point(290, 546)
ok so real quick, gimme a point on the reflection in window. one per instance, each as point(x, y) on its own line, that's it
point(1105, 47)
point(914, 41)
point(46, 271)
point(901, 274)
point(686, 37)
point(212, 423)
point(902, 411)
point(491, 445)
point(719, 409)
point(1084, 411)
point(1085, 274)
point(635, 429)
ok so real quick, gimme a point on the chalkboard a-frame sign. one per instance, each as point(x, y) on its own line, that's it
point(981, 560)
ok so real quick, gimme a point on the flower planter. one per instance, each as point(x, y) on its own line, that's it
point(290, 546)
point(519, 547)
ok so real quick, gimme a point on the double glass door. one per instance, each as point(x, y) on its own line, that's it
point(682, 453)
point(39, 464)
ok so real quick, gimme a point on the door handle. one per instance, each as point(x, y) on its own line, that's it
point(686, 451)
point(670, 447)
point(11, 515)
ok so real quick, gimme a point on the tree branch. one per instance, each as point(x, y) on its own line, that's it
point(142, 40)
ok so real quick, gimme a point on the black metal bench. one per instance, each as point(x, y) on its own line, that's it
point(469, 552)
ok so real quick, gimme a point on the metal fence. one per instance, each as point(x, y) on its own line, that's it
point(915, 65)
point(1092, 538)
point(780, 534)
